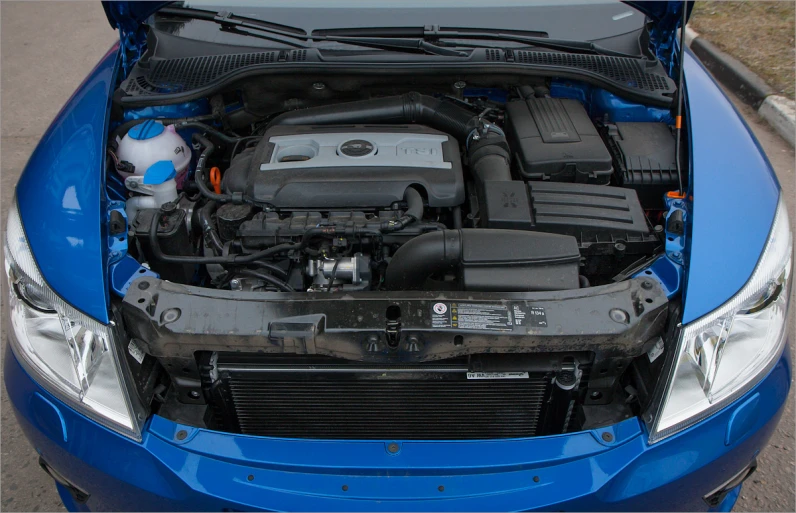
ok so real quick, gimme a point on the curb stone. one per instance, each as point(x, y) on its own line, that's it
point(778, 111)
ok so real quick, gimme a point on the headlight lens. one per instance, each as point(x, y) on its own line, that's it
point(725, 353)
point(70, 354)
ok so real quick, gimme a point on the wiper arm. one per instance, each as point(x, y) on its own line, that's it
point(403, 44)
point(290, 35)
point(552, 44)
point(435, 33)
point(242, 25)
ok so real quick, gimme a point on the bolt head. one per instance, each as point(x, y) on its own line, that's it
point(646, 285)
point(607, 437)
point(182, 434)
point(393, 448)
point(619, 315)
point(170, 315)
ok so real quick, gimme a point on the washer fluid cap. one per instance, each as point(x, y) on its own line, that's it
point(146, 130)
point(160, 172)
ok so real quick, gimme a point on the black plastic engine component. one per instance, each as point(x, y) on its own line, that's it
point(487, 260)
point(592, 213)
point(645, 159)
point(172, 237)
point(506, 205)
point(333, 167)
point(229, 217)
point(608, 222)
point(269, 228)
point(554, 139)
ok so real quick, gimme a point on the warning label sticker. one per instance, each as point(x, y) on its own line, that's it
point(486, 317)
point(533, 316)
point(497, 375)
point(136, 351)
point(471, 316)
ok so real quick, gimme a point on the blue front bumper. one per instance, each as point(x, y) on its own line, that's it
point(208, 470)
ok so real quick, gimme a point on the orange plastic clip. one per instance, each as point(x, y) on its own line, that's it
point(678, 122)
point(675, 195)
point(215, 179)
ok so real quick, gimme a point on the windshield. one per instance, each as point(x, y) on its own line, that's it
point(609, 23)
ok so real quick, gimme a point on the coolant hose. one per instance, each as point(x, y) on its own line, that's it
point(125, 127)
point(414, 212)
point(206, 224)
point(158, 254)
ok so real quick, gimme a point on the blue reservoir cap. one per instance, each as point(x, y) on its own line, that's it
point(160, 172)
point(146, 130)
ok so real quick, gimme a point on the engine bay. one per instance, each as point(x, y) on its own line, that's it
point(405, 192)
point(467, 231)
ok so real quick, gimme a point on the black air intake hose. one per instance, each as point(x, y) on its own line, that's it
point(430, 253)
point(487, 260)
point(403, 109)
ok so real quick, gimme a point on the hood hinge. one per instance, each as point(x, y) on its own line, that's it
point(133, 44)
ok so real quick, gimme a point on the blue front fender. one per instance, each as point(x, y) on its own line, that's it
point(61, 195)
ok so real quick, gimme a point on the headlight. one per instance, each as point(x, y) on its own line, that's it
point(70, 354)
point(725, 353)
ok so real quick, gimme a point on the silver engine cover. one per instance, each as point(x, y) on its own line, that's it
point(354, 166)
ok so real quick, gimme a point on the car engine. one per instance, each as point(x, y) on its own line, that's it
point(403, 192)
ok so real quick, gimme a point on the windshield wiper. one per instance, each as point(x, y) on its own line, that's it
point(297, 37)
point(435, 33)
point(405, 44)
point(236, 24)
point(420, 39)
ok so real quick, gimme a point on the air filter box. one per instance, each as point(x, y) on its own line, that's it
point(554, 139)
point(645, 159)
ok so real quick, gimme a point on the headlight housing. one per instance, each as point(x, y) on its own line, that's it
point(73, 356)
point(725, 353)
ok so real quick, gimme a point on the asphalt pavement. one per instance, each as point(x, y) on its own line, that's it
point(47, 48)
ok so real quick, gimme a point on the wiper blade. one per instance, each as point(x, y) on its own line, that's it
point(241, 25)
point(290, 35)
point(435, 33)
point(401, 44)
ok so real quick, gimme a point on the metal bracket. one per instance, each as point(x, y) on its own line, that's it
point(117, 234)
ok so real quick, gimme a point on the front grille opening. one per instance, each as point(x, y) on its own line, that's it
point(475, 397)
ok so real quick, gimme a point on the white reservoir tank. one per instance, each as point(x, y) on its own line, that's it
point(150, 142)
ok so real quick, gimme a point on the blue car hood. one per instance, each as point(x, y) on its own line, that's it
point(128, 16)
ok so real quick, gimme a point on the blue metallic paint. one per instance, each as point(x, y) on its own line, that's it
point(728, 170)
point(61, 195)
point(210, 470)
point(600, 103)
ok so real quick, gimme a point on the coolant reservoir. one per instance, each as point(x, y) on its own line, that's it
point(151, 142)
